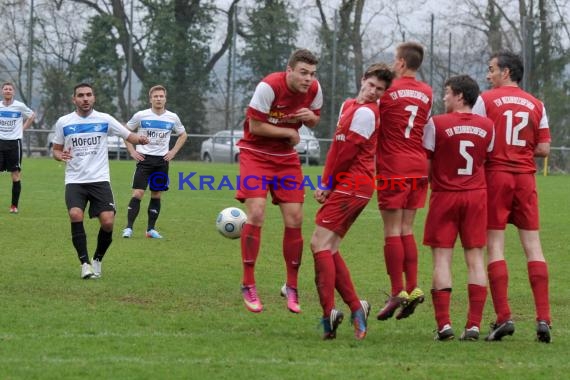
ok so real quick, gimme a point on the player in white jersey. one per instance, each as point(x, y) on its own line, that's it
point(81, 142)
point(157, 123)
point(12, 126)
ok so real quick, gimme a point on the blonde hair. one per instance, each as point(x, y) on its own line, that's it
point(158, 87)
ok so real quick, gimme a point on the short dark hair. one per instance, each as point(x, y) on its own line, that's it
point(302, 55)
point(412, 53)
point(464, 84)
point(80, 85)
point(506, 59)
point(8, 84)
point(381, 71)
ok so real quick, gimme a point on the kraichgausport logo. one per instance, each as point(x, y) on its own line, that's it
point(160, 181)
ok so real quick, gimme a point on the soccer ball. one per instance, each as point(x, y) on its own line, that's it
point(230, 222)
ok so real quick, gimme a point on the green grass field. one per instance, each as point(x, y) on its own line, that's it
point(171, 308)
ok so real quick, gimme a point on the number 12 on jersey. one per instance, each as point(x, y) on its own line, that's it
point(513, 132)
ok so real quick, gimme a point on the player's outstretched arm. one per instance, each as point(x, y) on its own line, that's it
point(137, 139)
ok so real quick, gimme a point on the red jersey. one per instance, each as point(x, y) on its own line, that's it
point(520, 124)
point(458, 145)
point(350, 160)
point(404, 110)
point(272, 103)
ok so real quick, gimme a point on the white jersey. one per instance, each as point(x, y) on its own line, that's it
point(157, 128)
point(86, 137)
point(12, 120)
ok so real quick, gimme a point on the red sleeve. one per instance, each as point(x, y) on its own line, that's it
point(342, 161)
point(544, 135)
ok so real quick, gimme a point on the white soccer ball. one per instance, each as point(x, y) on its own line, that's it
point(230, 222)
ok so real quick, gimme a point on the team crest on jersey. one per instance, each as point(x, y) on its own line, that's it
point(340, 137)
point(97, 128)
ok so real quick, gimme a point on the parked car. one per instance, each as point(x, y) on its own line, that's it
point(218, 149)
point(308, 148)
point(115, 145)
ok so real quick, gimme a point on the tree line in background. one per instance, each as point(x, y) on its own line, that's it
point(210, 54)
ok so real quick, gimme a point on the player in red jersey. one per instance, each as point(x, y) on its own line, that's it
point(458, 143)
point(268, 162)
point(522, 132)
point(401, 162)
point(348, 180)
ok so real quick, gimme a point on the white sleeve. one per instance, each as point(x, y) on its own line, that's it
point(58, 133)
point(178, 127)
point(363, 122)
point(492, 143)
point(429, 135)
point(317, 103)
point(135, 121)
point(27, 111)
point(116, 128)
point(262, 98)
point(479, 107)
point(544, 119)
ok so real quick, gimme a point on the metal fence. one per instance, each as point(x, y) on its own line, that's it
point(35, 143)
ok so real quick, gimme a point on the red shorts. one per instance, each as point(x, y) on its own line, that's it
point(456, 212)
point(512, 198)
point(400, 193)
point(280, 175)
point(339, 212)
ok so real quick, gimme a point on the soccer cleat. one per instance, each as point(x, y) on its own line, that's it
point(153, 234)
point(471, 333)
point(414, 299)
point(498, 331)
point(331, 323)
point(252, 302)
point(13, 209)
point(86, 271)
point(393, 303)
point(96, 266)
point(446, 333)
point(127, 232)
point(543, 332)
point(292, 297)
point(359, 320)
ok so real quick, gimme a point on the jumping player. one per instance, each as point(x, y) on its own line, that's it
point(402, 168)
point(281, 103)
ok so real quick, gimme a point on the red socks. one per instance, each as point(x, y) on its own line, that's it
point(441, 300)
point(477, 297)
point(538, 277)
point(410, 262)
point(499, 283)
point(394, 258)
point(292, 253)
point(250, 238)
point(325, 280)
point(343, 283)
